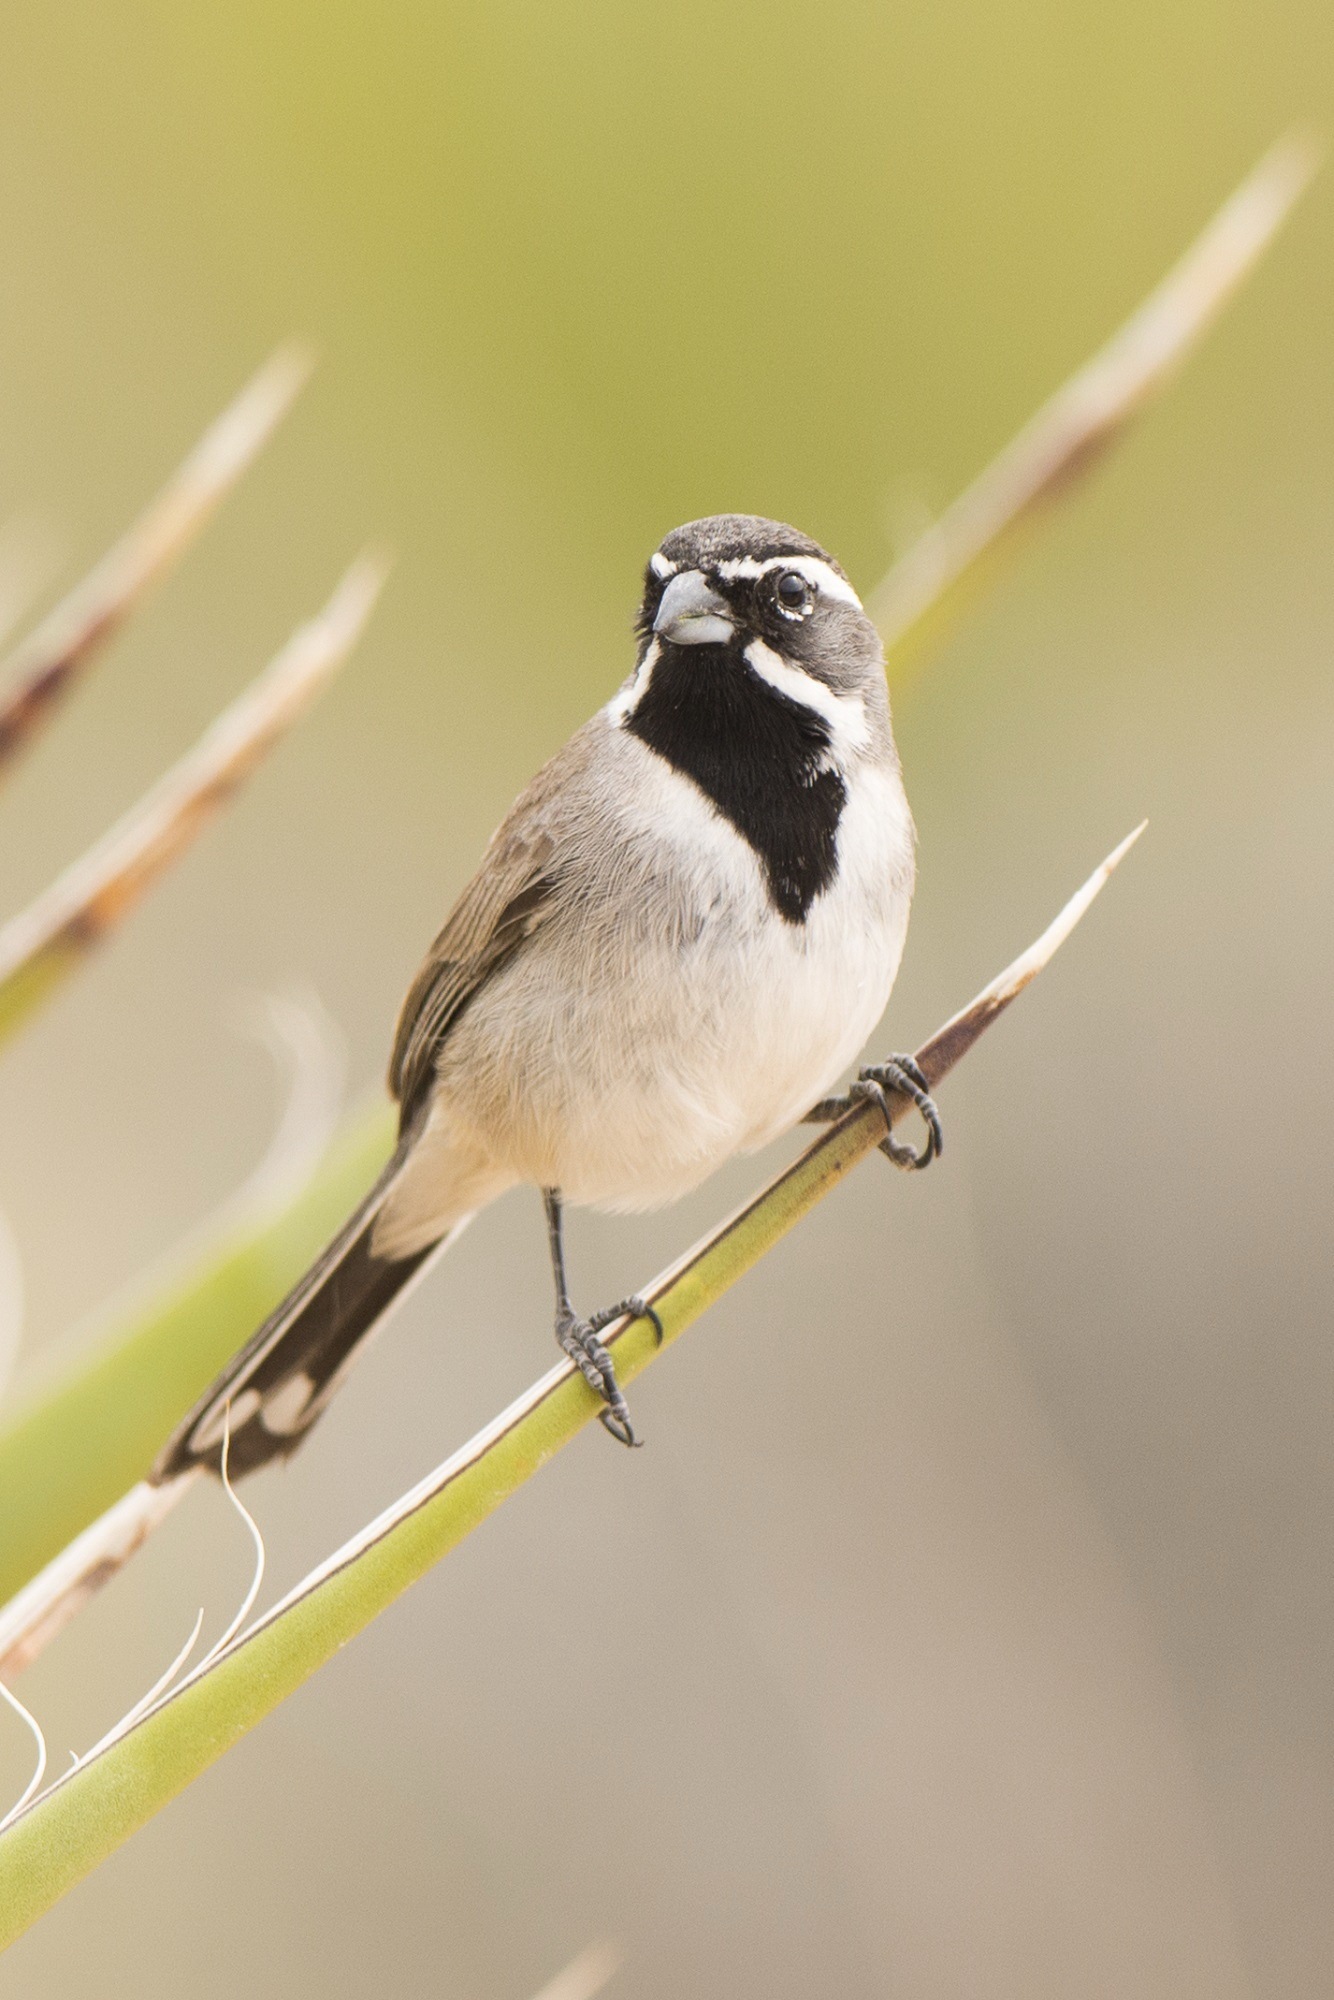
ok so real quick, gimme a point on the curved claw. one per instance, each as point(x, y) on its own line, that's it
point(621, 1428)
point(616, 1417)
point(905, 1157)
point(902, 1075)
point(579, 1339)
point(633, 1308)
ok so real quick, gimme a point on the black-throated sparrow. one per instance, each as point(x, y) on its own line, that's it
point(677, 940)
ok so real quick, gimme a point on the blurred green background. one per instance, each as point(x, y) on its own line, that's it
point(1007, 1674)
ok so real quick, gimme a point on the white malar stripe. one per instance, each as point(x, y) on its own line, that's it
point(662, 566)
point(626, 701)
point(820, 575)
point(845, 713)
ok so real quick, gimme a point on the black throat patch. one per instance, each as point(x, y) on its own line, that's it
point(760, 758)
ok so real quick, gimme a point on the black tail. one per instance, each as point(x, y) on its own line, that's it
point(270, 1394)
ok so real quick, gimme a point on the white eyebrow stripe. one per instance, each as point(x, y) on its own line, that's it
point(821, 574)
point(662, 566)
point(845, 713)
point(624, 703)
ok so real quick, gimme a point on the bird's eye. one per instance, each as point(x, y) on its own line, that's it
point(794, 593)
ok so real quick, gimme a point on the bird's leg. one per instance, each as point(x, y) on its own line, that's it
point(579, 1337)
point(900, 1076)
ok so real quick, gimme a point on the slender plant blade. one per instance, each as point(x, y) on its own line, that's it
point(586, 1975)
point(27, 565)
point(11, 1303)
point(44, 944)
point(82, 1434)
point(45, 666)
point(85, 1816)
point(1075, 427)
point(1042, 462)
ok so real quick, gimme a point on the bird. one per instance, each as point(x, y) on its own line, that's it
point(676, 942)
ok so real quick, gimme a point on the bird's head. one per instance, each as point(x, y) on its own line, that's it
point(736, 592)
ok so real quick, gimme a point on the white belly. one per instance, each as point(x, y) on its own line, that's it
point(624, 1067)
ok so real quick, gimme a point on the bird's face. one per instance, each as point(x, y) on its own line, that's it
point(760, 680)
point(738, 595)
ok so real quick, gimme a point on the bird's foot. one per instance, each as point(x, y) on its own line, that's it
point(632, 1308)
point(579, 1338)
point(897, 1076)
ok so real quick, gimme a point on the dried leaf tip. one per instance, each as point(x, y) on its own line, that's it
point(233, 438)
point(585, 1975)
point(90, 898)
point(312, 653)
point(1040, 954)
point(938, 1056)
point(1045, 949)
point(355, 594)
point(309, 658)
point(46, 664)
point(1283, 174)
point(1092, 408)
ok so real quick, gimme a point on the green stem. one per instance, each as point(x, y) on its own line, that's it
point(89, 1813)
point(81, 1436)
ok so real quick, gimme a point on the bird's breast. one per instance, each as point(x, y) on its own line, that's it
point(668, 1016)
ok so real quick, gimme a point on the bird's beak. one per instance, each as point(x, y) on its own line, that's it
point(691, 614)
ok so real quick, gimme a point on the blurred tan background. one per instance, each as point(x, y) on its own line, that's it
point(1003, 1670)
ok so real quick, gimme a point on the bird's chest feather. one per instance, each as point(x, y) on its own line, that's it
point(783, 1007)
point(677, 1017)
point(760, 759)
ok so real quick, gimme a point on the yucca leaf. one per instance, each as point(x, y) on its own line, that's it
point(86, 1815)
point(1072, 431)
point(44, 667)
point(1042, 463)
point(45, 943)
point(81, 1434)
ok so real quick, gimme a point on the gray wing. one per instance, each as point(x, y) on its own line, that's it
point(308, 1343)
point(512, 893)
